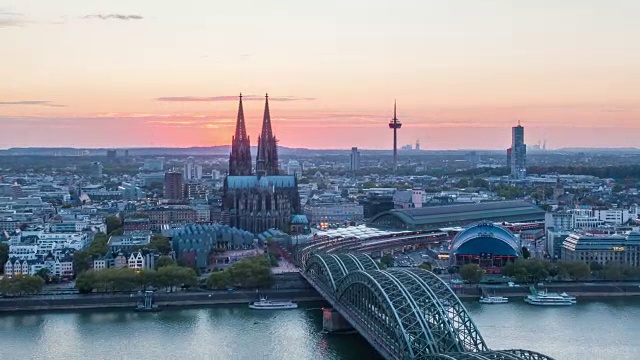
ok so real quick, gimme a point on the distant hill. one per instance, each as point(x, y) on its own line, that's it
point(223, 150)
point(599, 150)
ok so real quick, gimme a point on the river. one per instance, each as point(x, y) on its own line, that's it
point(588, 330)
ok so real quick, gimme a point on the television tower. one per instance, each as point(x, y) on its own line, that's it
point(395, 125)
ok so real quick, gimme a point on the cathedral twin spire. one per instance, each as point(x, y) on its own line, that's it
point(267, 157)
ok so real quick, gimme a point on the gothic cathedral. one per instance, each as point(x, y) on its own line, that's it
point(264, 200)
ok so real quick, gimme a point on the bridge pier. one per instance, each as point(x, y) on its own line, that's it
point(332, 321)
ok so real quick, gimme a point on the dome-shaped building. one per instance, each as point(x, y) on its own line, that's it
point(485, 244)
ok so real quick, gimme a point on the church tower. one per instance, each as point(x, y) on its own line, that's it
point(267, 158)
point(240, 158)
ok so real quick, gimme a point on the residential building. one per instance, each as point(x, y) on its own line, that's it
point(164, 217)
point(173, 186)
point(318, 213)
point(120, 261)
point(407, 199)
point(612, 216)
point(191, 170)
point(554, 243)
point(559, 221)
point(156, 164)
point(23, 252)
point(136, 224)
point(128, 241)
point(203, 213)
point(136, 261)
point(130, 191)
point(195, 191)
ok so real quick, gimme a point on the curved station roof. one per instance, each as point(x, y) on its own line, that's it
point(434, 217)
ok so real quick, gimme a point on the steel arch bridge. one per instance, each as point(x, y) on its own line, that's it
point(403, 313)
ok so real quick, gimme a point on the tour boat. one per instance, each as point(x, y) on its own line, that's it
point(494, 300)
point(545, 298)
point(567, 296)
point(265, 304)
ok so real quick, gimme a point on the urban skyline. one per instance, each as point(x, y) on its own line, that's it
point(170, 76)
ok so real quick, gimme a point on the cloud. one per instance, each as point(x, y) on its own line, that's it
point(229, 98)
point(32, 102)
point(113, 16)
point(8, 19)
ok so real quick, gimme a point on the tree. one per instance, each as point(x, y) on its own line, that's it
point(521, 274)
point(20, 285)
point(479, 183)
point(219, 280)
point(113, 223)
point(81, 261)
point(617, 188)
point(462, 183)
point(525, 253)
point(4, 255)
point(368, 184)
point(273, 260)
point(509, 270)
point(172, 276)
point(43, 273)
point(146, 278)
point(595, 266)
point(612, 271)
point(252, 272)
point(164, 261)
point(577, 270)
point(160, 243)
point(85, 282)
point(471, 273)
point(426, 266)
point(99, 246)
point(387, 261)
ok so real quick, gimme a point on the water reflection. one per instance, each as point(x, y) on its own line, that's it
point(582, 331)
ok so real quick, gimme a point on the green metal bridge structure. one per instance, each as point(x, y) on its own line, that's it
point(404, 313)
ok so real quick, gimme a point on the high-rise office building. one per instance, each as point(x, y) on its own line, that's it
point(355, 159)
point(173, 186)
point(517, 154)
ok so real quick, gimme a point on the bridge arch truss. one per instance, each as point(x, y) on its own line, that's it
point(404, 313)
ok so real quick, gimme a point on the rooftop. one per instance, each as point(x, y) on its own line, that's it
point(516, 210)
point(361, 232)
point(243, 182)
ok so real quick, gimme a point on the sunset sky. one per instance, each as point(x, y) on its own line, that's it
point(124, 73)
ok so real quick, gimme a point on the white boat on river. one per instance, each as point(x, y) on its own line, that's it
point(265, 304)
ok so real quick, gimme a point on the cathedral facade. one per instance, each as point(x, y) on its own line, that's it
point(264, 199)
